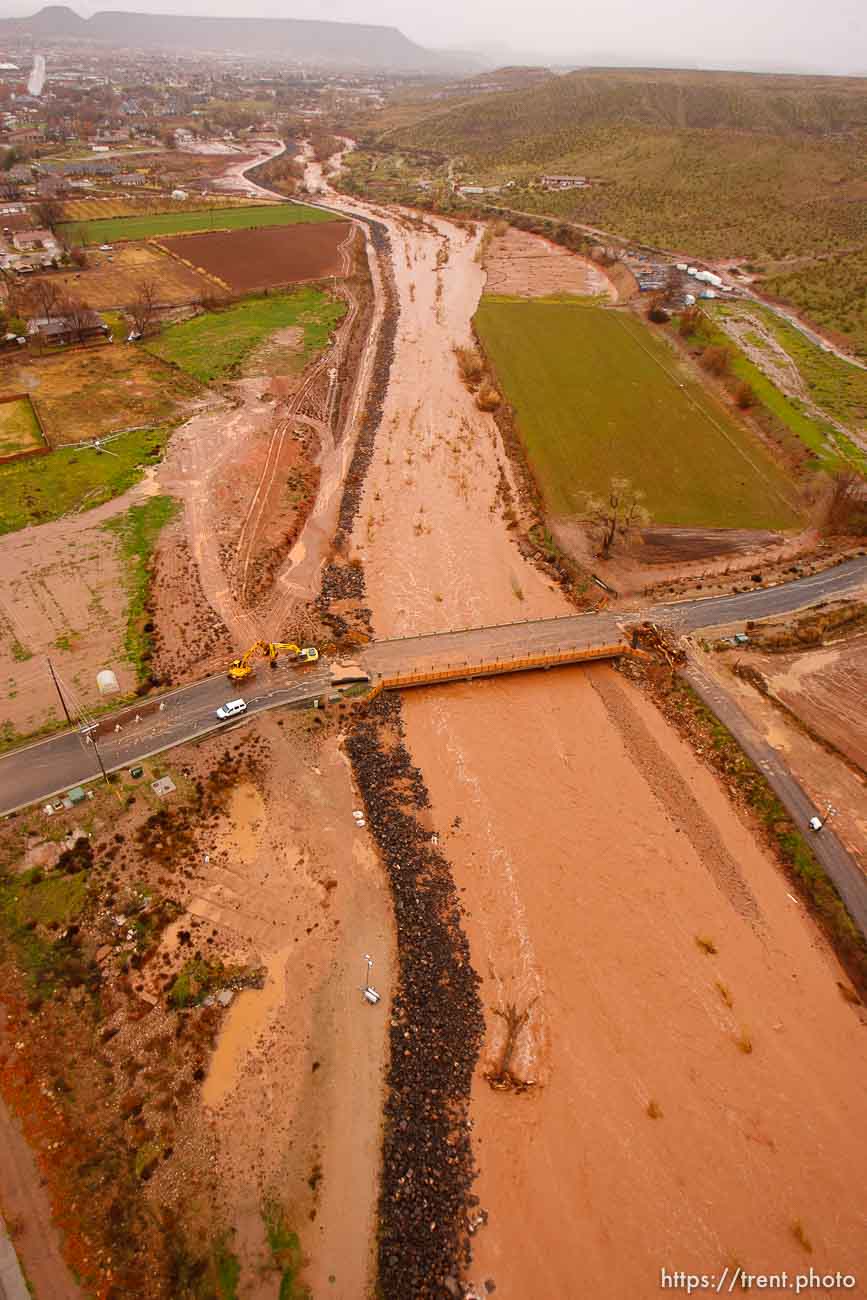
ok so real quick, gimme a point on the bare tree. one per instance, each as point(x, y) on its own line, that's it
point(49, 213)
point(143, 307)
point(79, 318)
point(48, 298)
point(620, 513)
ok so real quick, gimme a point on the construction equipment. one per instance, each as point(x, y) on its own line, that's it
point(243, 666)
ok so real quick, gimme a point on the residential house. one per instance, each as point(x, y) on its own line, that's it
point(35, 241)
point(564, 182)
point(84, 327)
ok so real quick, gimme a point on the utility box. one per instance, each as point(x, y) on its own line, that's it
point(76, 795)
point(136, 772)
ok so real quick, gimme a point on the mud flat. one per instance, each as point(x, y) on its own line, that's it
point(593, 926)
point(826, 689)
point(532, 267)
point(445, 558)
point(293, 1095)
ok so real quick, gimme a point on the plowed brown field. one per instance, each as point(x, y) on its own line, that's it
point(260, 259)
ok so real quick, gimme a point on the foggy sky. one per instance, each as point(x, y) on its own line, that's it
point(788, 35)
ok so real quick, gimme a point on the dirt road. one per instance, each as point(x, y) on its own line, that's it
point(27, 1210)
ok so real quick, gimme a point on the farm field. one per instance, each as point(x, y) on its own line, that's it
point(239, 217)
point(19, 428)
point(88, 393)
point(99, 207)
point(213, 345)
point(105, 284)
point(73, 589)
point(259, 259)
point(74, 478)
point(596, 396)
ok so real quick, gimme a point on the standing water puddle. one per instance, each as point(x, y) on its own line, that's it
point(247, 1017)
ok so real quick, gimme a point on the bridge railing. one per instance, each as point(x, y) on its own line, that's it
point(495, 667)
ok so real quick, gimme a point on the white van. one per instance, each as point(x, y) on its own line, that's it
point(232, 709)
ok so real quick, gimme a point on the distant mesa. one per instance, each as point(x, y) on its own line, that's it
point(346, 45)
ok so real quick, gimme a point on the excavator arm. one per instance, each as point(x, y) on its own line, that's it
point(242, 667)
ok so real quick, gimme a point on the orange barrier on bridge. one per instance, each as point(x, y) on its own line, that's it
point(495, 667)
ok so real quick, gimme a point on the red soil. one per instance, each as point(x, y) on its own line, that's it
point(259, 259)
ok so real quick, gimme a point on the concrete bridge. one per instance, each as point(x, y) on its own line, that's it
point(46, 768)
point(490, 651)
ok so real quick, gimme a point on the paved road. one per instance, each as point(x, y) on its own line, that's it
point(842, 869)
point(509, 640)
point(50, 766)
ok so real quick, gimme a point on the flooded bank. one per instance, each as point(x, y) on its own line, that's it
point(247, 1019)
point(695, 1105)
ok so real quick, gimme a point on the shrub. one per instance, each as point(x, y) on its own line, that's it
point(716, 360)
point(488, 399)
point(744, 396)
point(658, 315)
point(688, 322)
point(470, 366)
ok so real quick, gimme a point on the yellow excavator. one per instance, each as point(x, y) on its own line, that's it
point(243, 667)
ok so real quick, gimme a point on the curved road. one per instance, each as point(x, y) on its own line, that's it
point(849, 881)
point(47, 767)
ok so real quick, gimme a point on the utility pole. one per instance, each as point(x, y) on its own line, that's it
point(88, 734)
point(59, 691)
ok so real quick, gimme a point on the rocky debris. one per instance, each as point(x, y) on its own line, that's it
point(364, 443)
point(344, 581)
point(437, 1026)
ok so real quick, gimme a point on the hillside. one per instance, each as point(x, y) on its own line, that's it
point(542, 122)
point(349, 45)
point(765, 169)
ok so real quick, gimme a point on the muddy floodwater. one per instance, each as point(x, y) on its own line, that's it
point(247, 1018)
point(696, 1105)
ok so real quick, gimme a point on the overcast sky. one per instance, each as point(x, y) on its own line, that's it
point(791, 35)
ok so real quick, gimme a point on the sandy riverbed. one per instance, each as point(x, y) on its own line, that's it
point(592, 850)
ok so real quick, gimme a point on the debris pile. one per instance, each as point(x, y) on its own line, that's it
point(437, 1029)
point(656, 640)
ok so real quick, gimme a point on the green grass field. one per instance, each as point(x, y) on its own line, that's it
point(35, 491)
point(138, 531)
point(19, 428)
point(833, 385)
point(213, 345)
point(112, 229)
point(596, 395)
